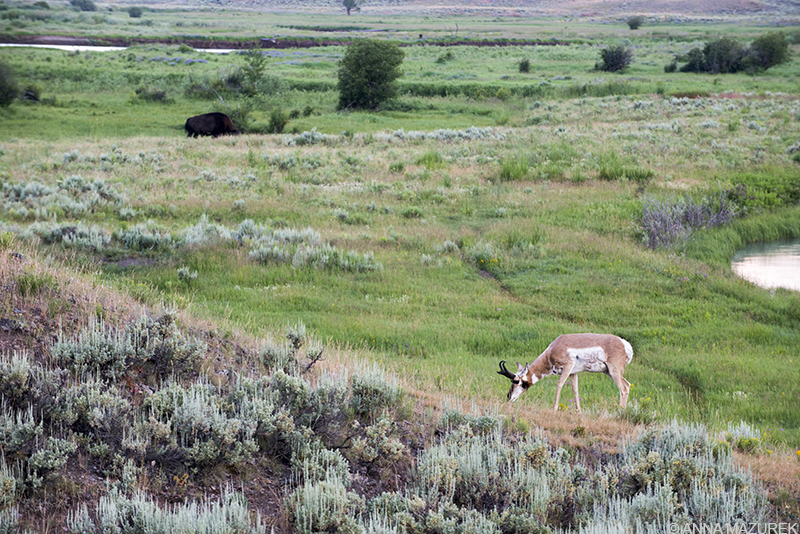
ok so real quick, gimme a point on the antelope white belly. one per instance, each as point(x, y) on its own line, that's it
point(591, 359)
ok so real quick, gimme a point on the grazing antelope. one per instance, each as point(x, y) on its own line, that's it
point(567, 356)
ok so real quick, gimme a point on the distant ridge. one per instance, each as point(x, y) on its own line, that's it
point(513, 8)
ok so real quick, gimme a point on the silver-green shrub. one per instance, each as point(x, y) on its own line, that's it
point(79, 235)
point(377, 446)
point(47, 459)
point(153, 346)
point(98, 410)
point(208, 434)
point(313, 463)
point(15, 369)
point(9, 520)
point(97, 349)
point(140, 513)
point(204, 233)
point(144, 236)
point(161, 348)
point(743, 437)
point(374, 391)
point(186, 275)
point(19, 429)
point(304, 248)
point(325, 506)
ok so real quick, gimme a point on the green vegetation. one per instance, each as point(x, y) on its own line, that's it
point(400, 251)
point(8, 86)
point(635, 22)
point(614, 59)
point(367, 74)
point(84, 5)
point(726, 55)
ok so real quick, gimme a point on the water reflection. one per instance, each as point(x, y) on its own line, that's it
point(770, 265)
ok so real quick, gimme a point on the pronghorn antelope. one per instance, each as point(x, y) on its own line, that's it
point(567, 356)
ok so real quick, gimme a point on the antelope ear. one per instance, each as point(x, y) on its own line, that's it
point(520, 367)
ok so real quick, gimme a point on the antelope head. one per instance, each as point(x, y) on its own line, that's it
point(519, 382)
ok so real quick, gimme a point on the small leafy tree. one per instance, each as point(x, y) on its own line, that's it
point(135, 12)
point(768, 50)
point(351, 4)
point(614, 59)
point(8, 86)
point(256, 65)
point(367, 73)
point(525, 65)
point(84, 5)
point(635, 22)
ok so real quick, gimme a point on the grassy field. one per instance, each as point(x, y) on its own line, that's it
point(473, 220)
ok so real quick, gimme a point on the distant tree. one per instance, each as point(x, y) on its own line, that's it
point(42, 4)
point(135, 12)
point(767, 51)
point(635, 22)
point(84, 5)
point(367, 73)
point(525, 65)
point(8, 86)
point(351, 4)
point(614, 59)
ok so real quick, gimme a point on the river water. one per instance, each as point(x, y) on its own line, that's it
point(770, 265)
point(82, 48)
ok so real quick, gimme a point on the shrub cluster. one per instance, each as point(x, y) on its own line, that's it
point(73, 196)
point(305, 248)
point(614, 59)
point(72, 404)
point(478, 479)
point(139, 512)
point(726, 55)
point(83, 5)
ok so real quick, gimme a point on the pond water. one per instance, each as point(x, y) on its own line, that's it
point(770, 265)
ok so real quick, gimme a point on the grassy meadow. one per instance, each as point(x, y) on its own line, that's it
point(480, 215)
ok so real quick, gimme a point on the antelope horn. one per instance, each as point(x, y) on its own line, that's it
point(505, 372)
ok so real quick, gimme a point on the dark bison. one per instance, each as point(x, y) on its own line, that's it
point(212, 124)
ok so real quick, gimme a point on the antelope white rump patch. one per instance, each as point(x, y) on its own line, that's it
point(592, 359)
